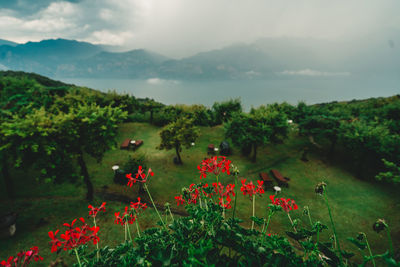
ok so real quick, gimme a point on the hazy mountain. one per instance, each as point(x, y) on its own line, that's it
point(281, 58)
point(132, 64)
point(44, 57)
point(5, 42)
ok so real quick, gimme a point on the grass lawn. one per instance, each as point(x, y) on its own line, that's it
point(355, 203)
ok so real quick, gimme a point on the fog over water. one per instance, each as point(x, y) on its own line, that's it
point(251, 92)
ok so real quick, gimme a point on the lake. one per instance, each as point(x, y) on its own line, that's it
point(251, 92)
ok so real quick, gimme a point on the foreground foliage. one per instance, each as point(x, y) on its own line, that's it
point(207, 235)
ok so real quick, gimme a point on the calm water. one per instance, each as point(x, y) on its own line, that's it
point(251, 92)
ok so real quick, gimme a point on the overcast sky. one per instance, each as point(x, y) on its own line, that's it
point(180, 28)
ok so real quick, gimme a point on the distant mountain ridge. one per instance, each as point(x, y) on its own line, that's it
point(263, 59)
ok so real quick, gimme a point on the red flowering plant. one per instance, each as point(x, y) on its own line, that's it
point(136, 208)
point(23, 258)
point(217, 165)
point(224, 195)
point(74, 237)
point(251, 190)
point(287, 205)
point(93, 213)
point(126, 218)
point(214, 165)
point(142, 177)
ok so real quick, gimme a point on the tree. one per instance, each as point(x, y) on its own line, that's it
point(151, 106)
point(262, 126)
point(392, 174)
point(325, 126)
point(225, 110)
point(30, 141)
point(369, 141)
point(177, 134)
point(92, 130)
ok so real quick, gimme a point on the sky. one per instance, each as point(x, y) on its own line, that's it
point(179, 28)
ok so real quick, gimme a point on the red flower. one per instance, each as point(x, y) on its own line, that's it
point(74, 236)
point(214, 165)
point(138, 205)
point(260, 187)
point(179, 200)
point(127, 217)
point(93, 211)
point(139, 177)
point(55, 243)
point(250, 189)
point(224, 192)
point(23, 257)
point(286, 204)
point(225, 203)
point(118, 219)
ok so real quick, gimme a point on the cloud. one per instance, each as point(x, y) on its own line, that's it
point(158, 81)
point(313, 73)
point(183, 27)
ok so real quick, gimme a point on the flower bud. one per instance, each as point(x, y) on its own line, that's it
point(360, 236)
point(305, 210)
point(320, 187)
point(234, 170)
point(379, 225)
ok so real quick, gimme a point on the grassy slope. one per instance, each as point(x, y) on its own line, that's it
point(356, 204)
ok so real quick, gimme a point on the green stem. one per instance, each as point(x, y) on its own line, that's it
point(369, 249)
point(170, 213)
point(129, 233)
point(77, 257)
point(265, 221)
point(333, 227)
point(234, 206)
point(316, 244)
point(389, 239)
point(309, 216)
point(151, 199)
point(290, 218)
point(126, 233)
point(137, 226)
point(270, 213)
point(97, 244)
point(254, 211)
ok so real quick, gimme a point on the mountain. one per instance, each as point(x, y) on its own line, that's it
point(45, 56)
point(5, 42)
point(233, 62)
point(282, 58)
point(138, 63)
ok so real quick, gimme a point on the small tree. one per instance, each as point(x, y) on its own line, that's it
point(225, 110)
point(151, 106)
point(91, 130)
point(392, 175)
point(262, 126)
point(177, 134)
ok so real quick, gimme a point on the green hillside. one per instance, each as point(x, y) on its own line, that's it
point(44, 200)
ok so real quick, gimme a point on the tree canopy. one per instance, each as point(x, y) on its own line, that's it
point(178, 134)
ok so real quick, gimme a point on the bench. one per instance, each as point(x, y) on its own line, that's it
point(267, 180)
point(282, 181)
point(138, 143)
point(126, 144)
point(8, 225)
point(211, 149)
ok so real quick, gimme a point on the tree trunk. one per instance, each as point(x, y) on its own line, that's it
point(361, 165)
point(332, 148)
point(7, 180)
point(151, 116)
point(177, 154)
point(86, 178)
point(254, 153)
